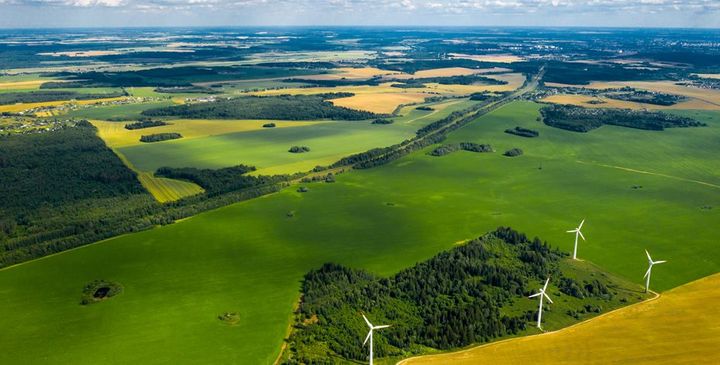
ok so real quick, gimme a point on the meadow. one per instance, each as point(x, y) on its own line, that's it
point(675, 328)
point(266, 148)
point(637, 189)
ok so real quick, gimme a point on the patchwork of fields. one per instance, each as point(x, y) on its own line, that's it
point(637, 189)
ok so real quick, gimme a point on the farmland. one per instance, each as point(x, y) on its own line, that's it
point(258, 253)
point(242, 195)
point(676, 328)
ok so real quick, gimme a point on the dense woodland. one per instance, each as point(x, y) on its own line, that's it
point(459, 297)
point(285, 107)
point(64, 188)
point(523, 132)
point(578, 119)
point(46, 95)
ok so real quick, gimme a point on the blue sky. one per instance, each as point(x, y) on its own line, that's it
point(623, 13)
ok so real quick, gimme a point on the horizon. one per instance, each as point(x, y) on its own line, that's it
point(23, 14)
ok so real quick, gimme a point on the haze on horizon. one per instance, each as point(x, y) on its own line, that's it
point(591, 13)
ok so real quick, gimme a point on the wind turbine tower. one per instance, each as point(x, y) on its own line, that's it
point(647, 274)
point(541, 294)
point(370, 335)
point(577, 234)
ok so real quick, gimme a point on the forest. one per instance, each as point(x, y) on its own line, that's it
point(221, 180)
point(579, 119)
point(459, 297)
point(285, 107)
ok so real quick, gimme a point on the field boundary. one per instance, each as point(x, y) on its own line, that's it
point(628, 169)
point(657, 295)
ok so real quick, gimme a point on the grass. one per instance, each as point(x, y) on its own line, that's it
point(267, 148)
point(248, 258)
point(124, 111)
point(582, 100)
point(673, 329)
point(166, 190)
point(115, 135)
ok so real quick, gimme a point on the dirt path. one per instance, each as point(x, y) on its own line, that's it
point(651, 173)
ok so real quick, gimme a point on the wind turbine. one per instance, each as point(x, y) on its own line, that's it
point(541, 294)
point(647, 274)
point(370, 335)
point(577, 233)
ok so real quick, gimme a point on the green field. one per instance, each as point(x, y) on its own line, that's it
point(125, 111)
point(249, 257)
point(267, 149)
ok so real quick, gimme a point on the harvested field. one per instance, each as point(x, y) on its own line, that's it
point(502, 58)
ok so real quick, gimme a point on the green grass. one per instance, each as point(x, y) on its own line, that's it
point(249, 257)
point(127, 111)
point(267, 149)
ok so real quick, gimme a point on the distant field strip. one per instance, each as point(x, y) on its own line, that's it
point(166, 190)
point(679, 327)
point(651, 173)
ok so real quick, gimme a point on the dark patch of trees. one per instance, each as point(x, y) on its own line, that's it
point(383, 121)
point(451, 300)
point(425, 108)
point(221, 180)
point(145, 123)
point(578, 119)
point(159, 137)
point(647, 97)
point(269, 125)
point(523, 132)
point(374, 81)
point(513, 152)
point(44, 96)
point(462, 146)
point(285, 107)
point(299, 149)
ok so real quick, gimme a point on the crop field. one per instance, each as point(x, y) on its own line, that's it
point(501, 58)
point(709, 76)
point(249, 257)
point(582, 100)
point(14, 108)
point(449, 71)
point(166, 190)
point(267, 149)
point(382, 103)
point(384, 98)
point(115, 135)
point(123, 111)
point(676, 328)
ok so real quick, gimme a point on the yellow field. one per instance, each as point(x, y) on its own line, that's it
point(20, 85)
point(449, 71)
point(14, 108)
point(679, 327)
point(709, 76)
point(380, 102)
point(384, 98)
point(582, 100)
point(115, 135)
point(351, 73)
point(708, 96)
point(502, 58)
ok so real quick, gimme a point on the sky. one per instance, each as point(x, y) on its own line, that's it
point(592, 13)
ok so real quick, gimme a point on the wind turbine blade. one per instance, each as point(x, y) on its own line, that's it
point(545, 286)
point(648, 255)
point(366, 321)
point(367, 338)
point(382, 326)
point(547, 297)
point(581, 235)
point(535, 295)
point(659, 262)
point(571, 231)
point(581, 223)
point(648, 272)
